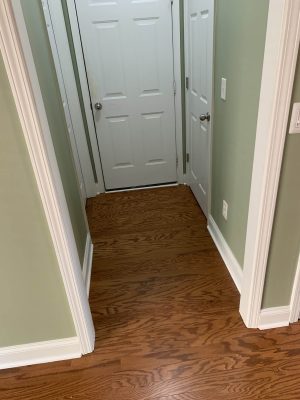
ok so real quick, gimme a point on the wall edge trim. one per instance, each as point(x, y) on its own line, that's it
point(274, 317)
point(87, 262)
point(295, 297)
point(19, 64)
point(280, 58)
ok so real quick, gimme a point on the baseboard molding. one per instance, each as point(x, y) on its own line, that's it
point(274, 317)
point(229, 259)
point(40, 352)
point(185, 180)
point(87, 262)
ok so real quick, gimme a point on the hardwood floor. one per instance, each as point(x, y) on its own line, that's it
point(166, 316)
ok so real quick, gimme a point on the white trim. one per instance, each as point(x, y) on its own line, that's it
point(212, 120)
point(274, 317)
point(186, 63)
point(65, 103)
point(37, 135)
point(178, 95)
point(281, 50)
point(229, 259)
point(39, 353)
point(59, 43)
point(295, 297)
point(87, 262)
point(85, 92)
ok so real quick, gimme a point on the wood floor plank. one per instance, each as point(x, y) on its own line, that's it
point(166, 316)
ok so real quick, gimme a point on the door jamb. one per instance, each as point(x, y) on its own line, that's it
point(59, 44)
point(85, 91)
point(24, 83)
point(177, 77)
point(281, 51)
point(178, 94)
point(186, 64)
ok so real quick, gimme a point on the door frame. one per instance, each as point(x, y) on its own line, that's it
point(74, 135)
point(20, 68)
point(177, 77)
point(281, 52)
point(188, 141)
point(59, 44)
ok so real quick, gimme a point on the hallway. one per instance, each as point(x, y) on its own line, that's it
point(166, 316)
point(166, 309)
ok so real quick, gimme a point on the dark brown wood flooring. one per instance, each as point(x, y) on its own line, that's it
point(166, 316)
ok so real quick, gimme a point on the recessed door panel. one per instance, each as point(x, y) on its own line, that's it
point(120, 142)
point(205, 69)
point(109, 58)
point(153, 139)
point(195, 144)
point(195, 55)
point(147, 55)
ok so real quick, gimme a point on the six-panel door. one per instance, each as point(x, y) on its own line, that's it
point(129, 58)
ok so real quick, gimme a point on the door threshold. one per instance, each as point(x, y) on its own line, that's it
point(130, 189)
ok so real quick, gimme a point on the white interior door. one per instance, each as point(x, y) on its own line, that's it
point(199, 70)
point(129, 59)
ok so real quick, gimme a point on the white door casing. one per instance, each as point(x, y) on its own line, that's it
point(59, 43)
point(280, 59)
point(72, 128)
point(199, 60)
point(129, 58)
point(20, 67)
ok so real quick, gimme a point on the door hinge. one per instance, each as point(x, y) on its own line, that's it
point(187, 83)
point(174, 86)
point(187, 158)
point(176, 161)
point(172, 1)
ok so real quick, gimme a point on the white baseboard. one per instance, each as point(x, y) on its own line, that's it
point(185, 180)
point(40, 352)
point(87, 262)
point(229, 259)
point(274, 317)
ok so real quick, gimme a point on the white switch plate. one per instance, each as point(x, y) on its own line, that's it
point(225, 210)
point(223, 88)
point(295, 120)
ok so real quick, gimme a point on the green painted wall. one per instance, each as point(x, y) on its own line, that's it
point(240, 32)
point(40, 46)
point(285, 242)
point(33, 304)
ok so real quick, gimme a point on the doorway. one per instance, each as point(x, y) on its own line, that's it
point(129, 58)
point(135, 117)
